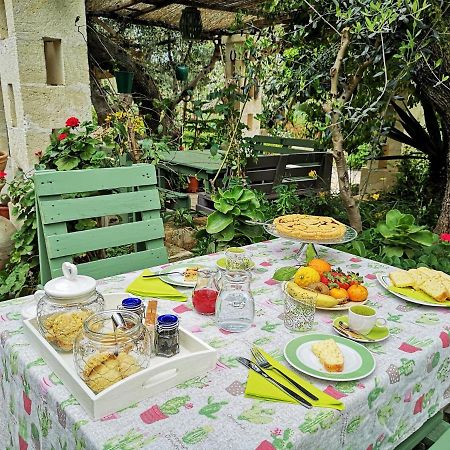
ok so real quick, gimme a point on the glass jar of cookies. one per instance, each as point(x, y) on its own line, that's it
point(112, 345)
point(64, 304)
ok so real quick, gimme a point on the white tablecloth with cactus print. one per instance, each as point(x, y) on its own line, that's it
point(410, 384)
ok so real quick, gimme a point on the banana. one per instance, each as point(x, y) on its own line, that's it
point(322, 300)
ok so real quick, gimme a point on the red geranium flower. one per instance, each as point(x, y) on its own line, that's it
point(445, 237)
point(72, 122)
point(2, 174)
point(62, 136)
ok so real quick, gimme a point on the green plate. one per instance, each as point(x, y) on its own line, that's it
point(358, 361)
point(410, 294)
point(222, 263)
point(377, 333)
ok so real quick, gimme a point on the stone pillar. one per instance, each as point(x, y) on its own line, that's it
point(235, 70)
point(44, 74)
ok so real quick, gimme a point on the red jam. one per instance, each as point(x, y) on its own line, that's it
point(204, 300)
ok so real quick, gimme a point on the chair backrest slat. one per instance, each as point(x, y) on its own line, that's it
point(50, 182)
point(129, 192)
point(114, 266)
point(98, 238)
point(62, 210)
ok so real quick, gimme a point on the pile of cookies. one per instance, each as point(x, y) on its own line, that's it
point(103, 369)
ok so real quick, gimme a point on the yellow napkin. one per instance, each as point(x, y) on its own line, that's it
point(154, 287)
point(259, 387)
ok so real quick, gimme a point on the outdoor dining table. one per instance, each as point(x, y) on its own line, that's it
point(410, 384)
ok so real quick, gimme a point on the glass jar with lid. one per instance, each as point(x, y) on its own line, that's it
point(235, 306)
point(112, 345)
point(64, 304)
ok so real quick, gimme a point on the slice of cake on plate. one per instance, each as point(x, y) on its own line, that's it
point(329, 354)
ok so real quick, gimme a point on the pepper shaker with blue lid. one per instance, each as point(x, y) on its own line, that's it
point(167, 338)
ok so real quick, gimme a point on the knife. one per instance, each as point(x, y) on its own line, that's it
point(251, 365)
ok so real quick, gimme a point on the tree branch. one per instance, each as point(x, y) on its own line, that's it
point(336, 68)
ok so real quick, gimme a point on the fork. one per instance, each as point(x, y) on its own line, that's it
point(264, 364)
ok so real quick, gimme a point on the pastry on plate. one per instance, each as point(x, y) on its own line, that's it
point(434, 283)
point(304, 226)
point(191, 273)
point(329, 354)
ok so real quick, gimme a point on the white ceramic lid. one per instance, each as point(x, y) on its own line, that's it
point(71, 285)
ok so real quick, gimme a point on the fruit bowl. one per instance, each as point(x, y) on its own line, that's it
point(338, 307)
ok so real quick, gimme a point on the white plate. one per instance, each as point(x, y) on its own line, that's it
point(385, 281)
point(177, 279)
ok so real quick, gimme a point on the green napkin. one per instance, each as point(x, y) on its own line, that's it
point(154, 287)
point(259, 387)
point(417, 295)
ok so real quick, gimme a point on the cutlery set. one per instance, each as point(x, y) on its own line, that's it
point(260, 368)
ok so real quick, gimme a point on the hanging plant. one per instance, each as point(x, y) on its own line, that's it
point(191, 26)
point(181, 72)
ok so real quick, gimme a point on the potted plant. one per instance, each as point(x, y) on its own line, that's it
point(124, 81)
point(3, 160)
point(181, 72)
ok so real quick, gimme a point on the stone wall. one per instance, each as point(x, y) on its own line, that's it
point(44, 75)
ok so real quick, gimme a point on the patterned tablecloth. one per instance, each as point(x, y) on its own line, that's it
point(410, 384)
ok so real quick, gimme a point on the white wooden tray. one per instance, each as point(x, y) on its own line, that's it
point(195, 358)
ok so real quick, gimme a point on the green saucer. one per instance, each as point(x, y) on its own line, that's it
point(377, 333)
point(222, 263)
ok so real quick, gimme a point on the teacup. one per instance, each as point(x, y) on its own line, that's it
point(363, 318)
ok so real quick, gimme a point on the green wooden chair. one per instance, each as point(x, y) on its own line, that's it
point(126, 191)
point(434, 433)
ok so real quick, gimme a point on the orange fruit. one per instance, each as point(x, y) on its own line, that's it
point(339, 293)
point(357, 293)
point(305, 276)
point(320, 265)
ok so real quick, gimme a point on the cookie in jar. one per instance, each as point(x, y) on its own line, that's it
point(63, 306)
point(113, 345)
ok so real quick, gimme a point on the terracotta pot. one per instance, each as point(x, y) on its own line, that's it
point(4, 211)
point(193, 185)
point(3, 160)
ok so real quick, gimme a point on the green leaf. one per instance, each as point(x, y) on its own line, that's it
point(384, 230)
point(393, 217)
point(85, 224)
point(247, 196)
point(360, 248)
point(217, 222)
point(392, 251)
point(284, 273)
point(424, 237)
point(67, 162)
point(227, 234)
point(223, 206)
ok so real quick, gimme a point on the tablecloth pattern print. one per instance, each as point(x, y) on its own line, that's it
point(410, 384)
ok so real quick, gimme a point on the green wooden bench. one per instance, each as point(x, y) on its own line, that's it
point(129, 191)
point(283, 161)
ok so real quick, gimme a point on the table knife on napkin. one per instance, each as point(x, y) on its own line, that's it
point(251, 365)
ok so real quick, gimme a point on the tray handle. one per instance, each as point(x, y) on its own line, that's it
point(161, 377)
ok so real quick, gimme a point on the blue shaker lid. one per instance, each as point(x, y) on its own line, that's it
point(131, 302)
point(167, 320)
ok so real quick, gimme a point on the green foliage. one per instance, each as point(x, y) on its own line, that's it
point(181, 217)
point(20, 274)
point(79, 149)
point(153, 149)
point(357, 159)
point(232, 208)
point(402, 236)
